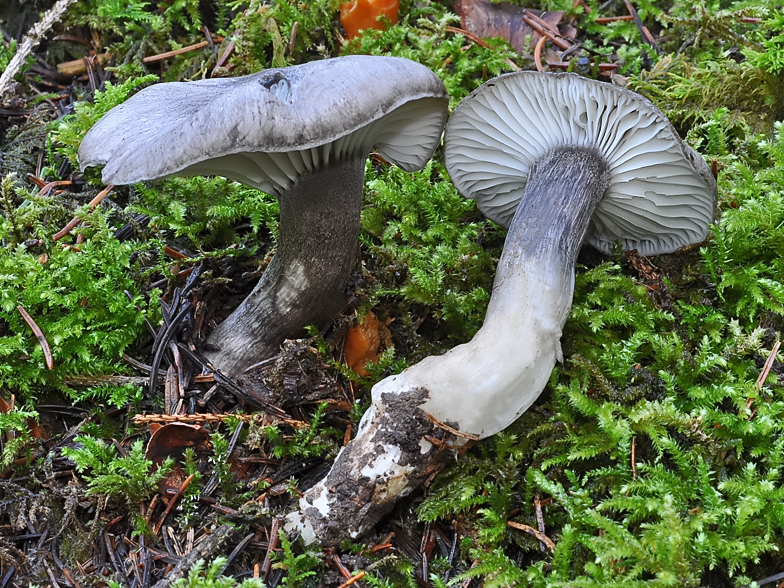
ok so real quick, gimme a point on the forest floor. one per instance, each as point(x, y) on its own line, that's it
point(655, 456)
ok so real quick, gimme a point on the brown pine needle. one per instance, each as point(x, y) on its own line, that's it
point(768, 365)
point(39, 334)
point(172, 502)
point(531, 531)
point(76, 220)
point(352, 580)
point(449, 429)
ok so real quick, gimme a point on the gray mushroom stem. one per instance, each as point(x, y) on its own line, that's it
point(300, 133)
point(307, 277)
point(482, 386)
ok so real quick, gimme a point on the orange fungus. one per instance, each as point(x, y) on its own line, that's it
point(364, 342)
point(358, 15)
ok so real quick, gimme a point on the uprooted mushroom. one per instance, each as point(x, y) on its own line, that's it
point(560, 160)
point(301, 133)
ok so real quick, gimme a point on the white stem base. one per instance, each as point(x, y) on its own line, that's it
point(483, 386)
point(480, 387)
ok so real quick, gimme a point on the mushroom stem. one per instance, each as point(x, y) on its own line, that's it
point(307, 277)
point(484, 385)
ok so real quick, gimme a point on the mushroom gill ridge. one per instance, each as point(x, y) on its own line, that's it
point(516, 119)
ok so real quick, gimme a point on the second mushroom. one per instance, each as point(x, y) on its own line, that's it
point(560, 160)
point(301, 133)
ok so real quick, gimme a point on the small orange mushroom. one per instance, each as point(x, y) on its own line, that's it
point(364, 343)
point(358, 15)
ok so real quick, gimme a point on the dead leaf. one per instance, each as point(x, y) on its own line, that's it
point(36, 431)
point(485, 19)
point(172, 439)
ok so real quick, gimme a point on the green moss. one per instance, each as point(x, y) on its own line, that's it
point(75, 295)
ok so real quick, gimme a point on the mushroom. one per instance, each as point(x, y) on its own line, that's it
point(560, 160)
point(301, 133)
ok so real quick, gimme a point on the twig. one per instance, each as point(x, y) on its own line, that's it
point(237, 550)
point(768, 580)
point(609, 19)
point(543, 28)
point(77, 67)
point(634, 457)
point(478, 41)
point(531, 531)
point(38, 335)
point(173, 253)
point(114, 559)
point(147, 419)
point(344, 571)
point(539, 520)
point(165, 419)
point(379, 547)
point(468, 35)
point(76, 220)
point(762, 377)
point(162, 342)
point(34, 36)
point(293, 37)
point(538, 53)
point(644, 32)
point(225, 55)
point(175, 52)
point(51, 185)
point(467, 582)
point(273, 543)
point(172, 502)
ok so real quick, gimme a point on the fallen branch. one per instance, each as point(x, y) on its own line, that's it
point(34, 36)
point(146, 419)
point(175, 52)
point(203, 550)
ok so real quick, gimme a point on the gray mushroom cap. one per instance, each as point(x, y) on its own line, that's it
point(661, 195)
point(266, 129)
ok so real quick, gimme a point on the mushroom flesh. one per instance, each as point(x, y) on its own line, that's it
point(301, 133)
point(560, 160)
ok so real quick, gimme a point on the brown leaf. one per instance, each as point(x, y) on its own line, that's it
point(36, 431)
point(172, 439)
point(485, 19)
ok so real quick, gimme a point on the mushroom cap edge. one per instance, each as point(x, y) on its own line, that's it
point(657, 201)
point(168, 128)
